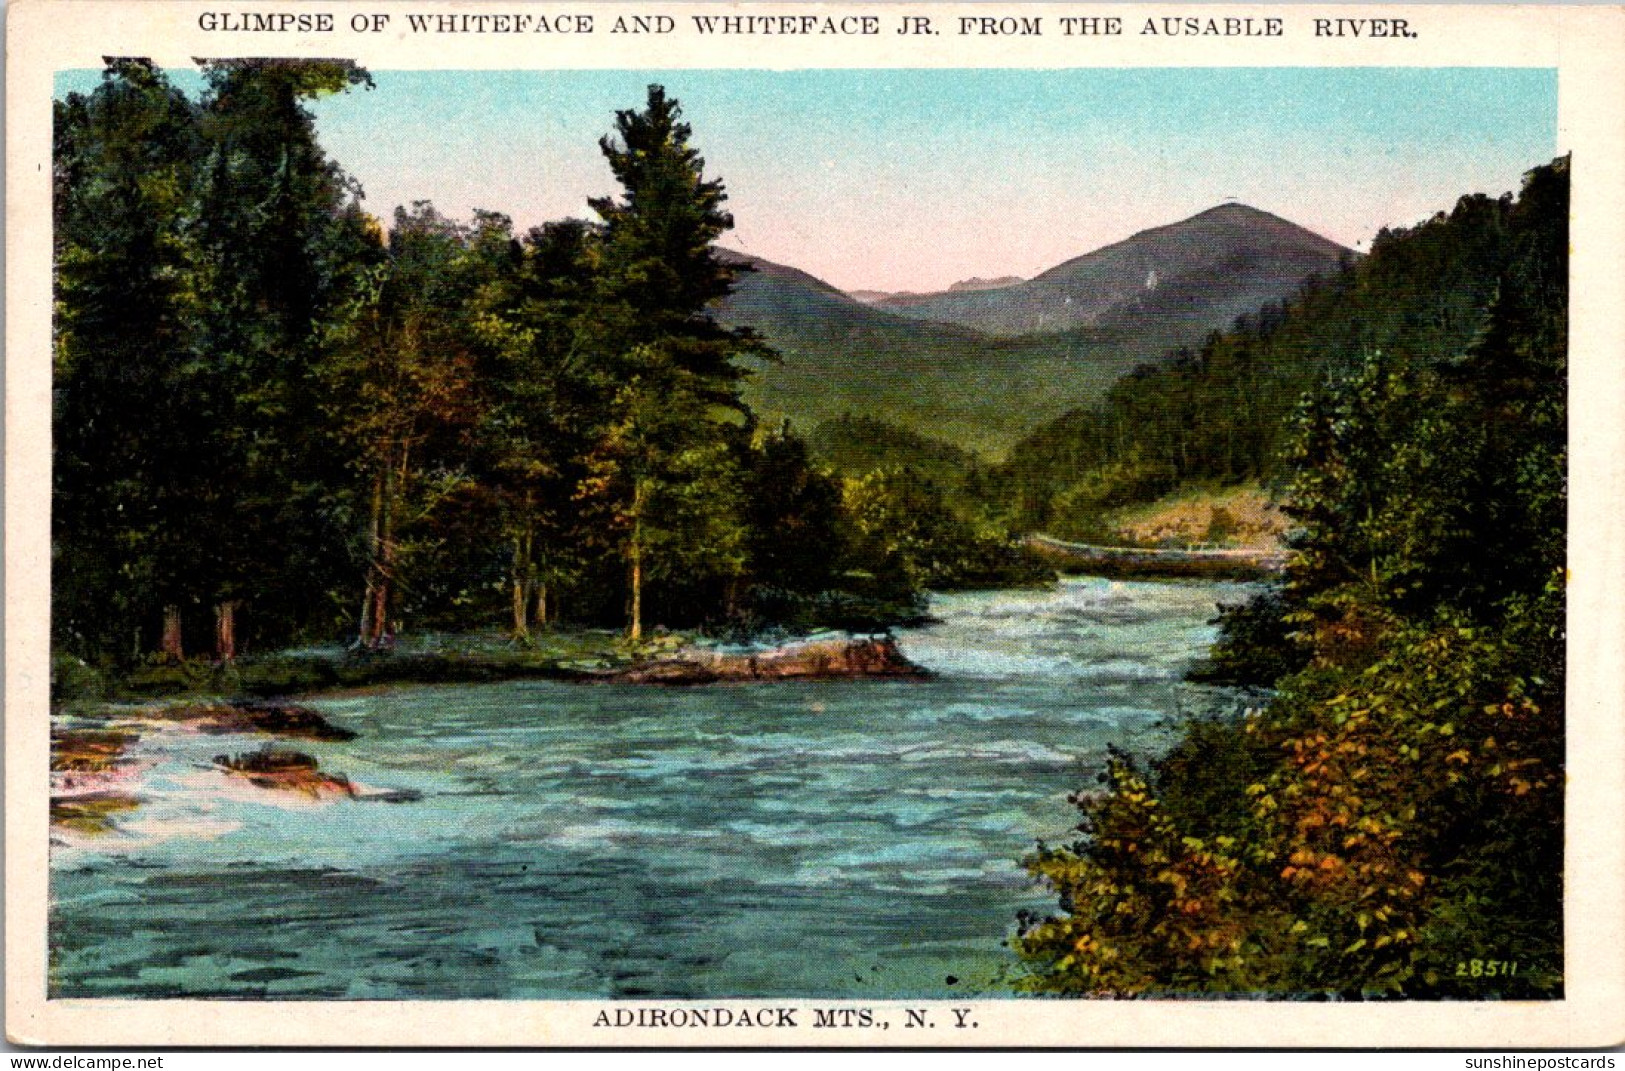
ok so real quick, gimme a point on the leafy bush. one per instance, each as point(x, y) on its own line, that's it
point(1405, 818)
point(73, 681)
point(1255, 647)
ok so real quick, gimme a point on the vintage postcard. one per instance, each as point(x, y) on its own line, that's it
point(814, 524)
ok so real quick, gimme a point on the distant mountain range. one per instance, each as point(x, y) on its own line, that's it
point(904, 297)
point(980, 367)
point(1210, 268)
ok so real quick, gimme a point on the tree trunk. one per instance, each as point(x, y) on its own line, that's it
point(521, 626)
point(384, 570)
point(364, 631)
point(380, 608)
point(171, 645)
point(225, 631)
point(541, 605)
point(521, 586)
point(636, 631)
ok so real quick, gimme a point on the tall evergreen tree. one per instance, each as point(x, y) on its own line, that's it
point(658, 278)
point(124, 162)
point(276, 224)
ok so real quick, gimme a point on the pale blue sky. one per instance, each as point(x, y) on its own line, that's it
point(912, 179)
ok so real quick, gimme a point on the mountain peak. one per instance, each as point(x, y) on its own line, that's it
point(978, 283)
point(1236, 209)
point(1225, 261)
point(929, 362)
point(1233, 216)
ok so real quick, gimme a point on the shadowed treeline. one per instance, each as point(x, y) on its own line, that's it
point(278, 419)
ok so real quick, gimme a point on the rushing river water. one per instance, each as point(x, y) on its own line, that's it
point(842, 839)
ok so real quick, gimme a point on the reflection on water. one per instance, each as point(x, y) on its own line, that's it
point(842, 839)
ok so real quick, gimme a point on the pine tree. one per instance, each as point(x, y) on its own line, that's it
point(674, 376)
point(124, 161)
point(276, 223)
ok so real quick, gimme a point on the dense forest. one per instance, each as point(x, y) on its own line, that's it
point(277, 419)
point(1389, 822)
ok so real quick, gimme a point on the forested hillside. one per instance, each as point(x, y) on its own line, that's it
point(839, 356)
point(982, 367)
point(1389, 823)
point(1224, 411)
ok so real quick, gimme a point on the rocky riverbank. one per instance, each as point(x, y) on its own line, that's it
point(97, 769)
point(191, 694)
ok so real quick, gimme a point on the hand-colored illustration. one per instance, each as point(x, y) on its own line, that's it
point(836, 534)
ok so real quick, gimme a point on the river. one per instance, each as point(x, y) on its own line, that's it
point(843, 839)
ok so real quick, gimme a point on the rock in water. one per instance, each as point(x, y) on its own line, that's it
point(270, 716)
point(288, 719)
point(821, 659)
point(286, 771)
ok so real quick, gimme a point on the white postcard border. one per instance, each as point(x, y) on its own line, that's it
point(1585, 44)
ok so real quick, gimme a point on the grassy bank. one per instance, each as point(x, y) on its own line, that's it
point(429, 659)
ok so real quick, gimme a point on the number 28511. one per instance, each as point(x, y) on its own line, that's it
point(1486, 968)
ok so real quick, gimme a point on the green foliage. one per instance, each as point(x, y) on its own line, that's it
point(1148, 908)
point(902, 525)
point(534, 415)
point(196, 243)
point(75, 682)
point(275, 224)
point(981, 394)
point(662, 468)
point(1212, 415)
point(1401, 824)
point(1396, 807)
point(1080, 510)
point(124, 162)
point(278, 419)
point(1256, 645)
point(793, 514)
point(857, 445)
